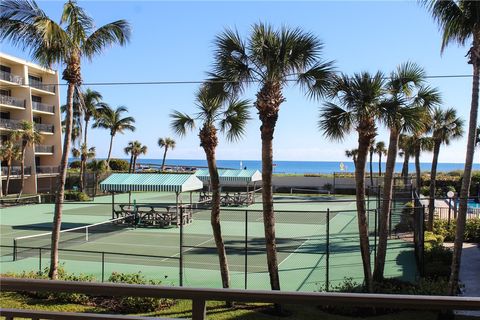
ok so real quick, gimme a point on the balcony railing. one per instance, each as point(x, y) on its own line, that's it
point(10, 124)
point(43, 107)
point(47, 169)
point(12, 101)
point(200, 296)
point(7, 76)
point(40, 85)
point(41, 148)
point(42, 127)
point(16, 171)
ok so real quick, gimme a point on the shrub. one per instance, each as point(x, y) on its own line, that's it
point(472, 230)
point(425, 191)
point(135, 304)
point(75, 164)
point(118, 165)
point(76, 196)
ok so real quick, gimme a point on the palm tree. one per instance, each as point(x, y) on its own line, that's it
point(380, 150)
point(111, 119)
point(128, 151)
point(24, 24)
point(459, 20)
point(9, 152)
point(422, 143)
point(406, 147)
point(403, 111)
point(359, 97)
point(137, 150)
point(446, 126)
point(272, 59)
point(353, 153)
point(28, 136)
point(98, 167)
point(371, 151)
point(230, 117)
point(84, 153)
point(166, 143)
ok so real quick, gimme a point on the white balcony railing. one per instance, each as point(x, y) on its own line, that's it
point(16, 171)
point(43, 127)
point(40, 85)
point(42, 148)
point(43, 107)
point(7, 76)
point(12, 101)
point(10, 124)
point(47, 169)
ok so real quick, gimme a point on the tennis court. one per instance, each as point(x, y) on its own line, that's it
point(301, 232)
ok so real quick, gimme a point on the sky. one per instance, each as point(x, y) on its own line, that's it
point(173, 41)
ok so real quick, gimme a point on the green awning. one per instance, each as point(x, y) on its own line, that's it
point(231, 175)
point(159, 182)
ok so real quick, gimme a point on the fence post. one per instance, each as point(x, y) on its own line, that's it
point(14, 254)
point(103, 266)
point(375, 236)
point(181, 249)
point(40, 260)
point(422, 242)
point(199, 312)
point(246, 249)
point(327, 263)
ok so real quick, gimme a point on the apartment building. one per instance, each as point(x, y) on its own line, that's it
point(30, 92)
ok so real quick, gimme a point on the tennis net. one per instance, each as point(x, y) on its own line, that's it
point(27, 246)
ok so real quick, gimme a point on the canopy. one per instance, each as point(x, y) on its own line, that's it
point(166, 182)
point(231, 175)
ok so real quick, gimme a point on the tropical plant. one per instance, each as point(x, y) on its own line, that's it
point(353, 153)
point(359, 100)
point(84, 153)
point(371, 151)
point(9, 152)
point(135, 148)
point(98, 167)
point(24, 24)
point(111, 119)
point(381, 151)
point(28, 136)
point(422, 143)
point(460, 23)
point(406, 147)
point(446, 126)
point(166, 143)
point(230, 117)
point(272, 59)
point(404, 110)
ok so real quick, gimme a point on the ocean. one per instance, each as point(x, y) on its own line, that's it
point(301, 167)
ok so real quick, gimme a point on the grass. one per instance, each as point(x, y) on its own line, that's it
point(215, 310)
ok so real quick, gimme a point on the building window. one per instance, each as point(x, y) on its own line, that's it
point(5, 115)
point(37, 119)
point(5, 69)
point(36, 99)
point(34, 78)
point(7, 93)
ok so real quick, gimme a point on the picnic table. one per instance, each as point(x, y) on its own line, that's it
point(154, 215)
point(229, 199)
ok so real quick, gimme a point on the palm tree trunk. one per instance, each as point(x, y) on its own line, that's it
point(467, 173)
point(130, 164)
point(268, 103)
point(418, 173)
point(134, 166)
point(363, 146)
point(406, 162)
point(9, 172)
point(433, 176)
point(110, 150)
point(380, 164)
point(82, 160)
point(83, 167)
point(164, 156)
point(371, 170)
point(22, 169)
point(59, 193)
point(384, 216)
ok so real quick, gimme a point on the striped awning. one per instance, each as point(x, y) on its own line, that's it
point(231, 175)
point(160, 182)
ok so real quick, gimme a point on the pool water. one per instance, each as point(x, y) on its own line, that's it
point(473, 204)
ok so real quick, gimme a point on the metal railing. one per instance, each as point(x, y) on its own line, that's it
point(40, 85)
point(199, 297)
point(43, 127)
point(7, 76)
point(10, 124)
point(12, 101)
point(47, 169)
point(16, 171)
point(42, 148)
point(43, 107)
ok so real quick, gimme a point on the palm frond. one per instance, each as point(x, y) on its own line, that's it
point(235, 118)
point(181, 123)
point(317, 81)
point(115, 32)
point(334, 122)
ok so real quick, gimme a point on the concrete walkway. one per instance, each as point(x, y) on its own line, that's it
point(469, 273)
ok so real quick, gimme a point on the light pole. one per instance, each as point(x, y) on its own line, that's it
point(450, 195)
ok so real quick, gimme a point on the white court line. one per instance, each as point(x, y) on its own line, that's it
point(195, 246)
point(294, 251)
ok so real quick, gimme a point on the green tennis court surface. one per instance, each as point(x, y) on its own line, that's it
point(300, 231)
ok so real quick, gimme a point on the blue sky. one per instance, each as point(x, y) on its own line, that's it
point(173, 41)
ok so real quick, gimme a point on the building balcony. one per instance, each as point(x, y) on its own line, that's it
point(12, 101)
point(43, 148)
point(9, 124)
point(44, 128)
point(16, 171)
point(41, 86)
point(47, 169)
point(38, 106)
point(7, 76)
